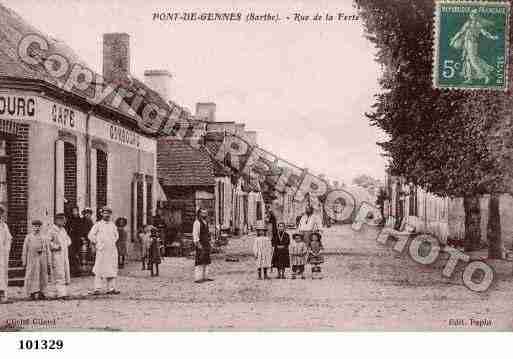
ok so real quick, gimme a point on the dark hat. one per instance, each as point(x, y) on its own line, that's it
point(297, 234)
point(87, 210)
point(60, 216)
point(2, 209)
point(121, 222)
point(37, 222)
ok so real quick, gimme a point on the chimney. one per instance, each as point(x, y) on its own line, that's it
point(239, 129)
point(116, 56)
point(251, 137)
point(159, 81)
point(206, 111)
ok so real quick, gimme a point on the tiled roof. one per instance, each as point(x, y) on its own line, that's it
point(13, 28)
point(179, 164)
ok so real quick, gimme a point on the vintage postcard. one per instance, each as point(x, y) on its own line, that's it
point(255, 166)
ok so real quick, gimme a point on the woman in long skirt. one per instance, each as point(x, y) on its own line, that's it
point(36, 258)
point(281, 256)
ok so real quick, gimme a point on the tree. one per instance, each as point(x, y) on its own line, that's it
point(440, 140)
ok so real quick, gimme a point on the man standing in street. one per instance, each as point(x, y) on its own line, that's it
point(201, 238)
point(103, 236)
point(309, 223)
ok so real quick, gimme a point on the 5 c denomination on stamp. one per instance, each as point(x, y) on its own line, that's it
point(471, 45)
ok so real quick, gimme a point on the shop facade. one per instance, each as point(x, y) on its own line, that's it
point(57, 152)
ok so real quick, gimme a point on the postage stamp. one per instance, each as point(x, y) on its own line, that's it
point(471, 45)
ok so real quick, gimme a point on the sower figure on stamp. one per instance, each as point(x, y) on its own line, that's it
point(5, 248)
point(36, 257)
point(59, 246)
point(201, 238)
point(467, 39)
point(103, 236)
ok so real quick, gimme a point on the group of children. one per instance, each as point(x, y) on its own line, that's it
point(278, 252)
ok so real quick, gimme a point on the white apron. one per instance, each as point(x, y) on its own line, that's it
point(60, 258)
point(104, 235)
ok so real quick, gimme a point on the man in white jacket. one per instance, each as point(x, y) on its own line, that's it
point(103, 235)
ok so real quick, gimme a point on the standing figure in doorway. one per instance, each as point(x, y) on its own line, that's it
point(122, 243)
point(201, 238)
point(36, 257)
point(281, 256)
point(74, 228)
point(87, 252)
point(103, 236)
point(59, 245)
point(5, 248)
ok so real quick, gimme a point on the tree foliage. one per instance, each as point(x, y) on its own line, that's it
point(444, 140)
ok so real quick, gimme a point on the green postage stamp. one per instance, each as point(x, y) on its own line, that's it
point(471, 45)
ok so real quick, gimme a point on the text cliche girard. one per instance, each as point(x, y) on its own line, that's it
point(253, 17)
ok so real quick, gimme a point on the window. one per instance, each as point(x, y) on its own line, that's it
point(70, 177)
point(101, 178)
point(259, 210)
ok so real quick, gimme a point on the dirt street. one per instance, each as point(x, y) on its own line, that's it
point(366, 286)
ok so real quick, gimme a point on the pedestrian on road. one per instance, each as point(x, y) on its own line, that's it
point(154, 252)
point(103, 236)
point(315, 257)
point(281, 255)
point(263, 251)
point(73, 228)
point(145, 244)
point(309, 223)
point(122, 242)
point(36, 257)
point(5, 248)
point(298, 256)
point(201, 238)
point(59, 246)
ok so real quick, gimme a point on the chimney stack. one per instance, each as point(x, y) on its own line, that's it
point(251, 137)
point(206, 111)
point(159, 81)
point(116, 56)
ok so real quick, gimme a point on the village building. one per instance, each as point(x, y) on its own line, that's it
point(192, 179)
point(58, 150)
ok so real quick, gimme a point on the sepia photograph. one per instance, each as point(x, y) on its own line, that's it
point(255, 166)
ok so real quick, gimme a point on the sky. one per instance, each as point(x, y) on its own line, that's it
point(304, 87)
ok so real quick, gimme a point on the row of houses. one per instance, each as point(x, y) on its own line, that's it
point(59, 149)
point(444, 217)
